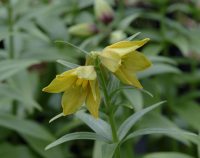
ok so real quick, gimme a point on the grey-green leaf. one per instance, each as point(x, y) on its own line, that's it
point(165, 131)
point(24, 126)
point(67, 64)
point(11, 67)
point(108, 150)
point(38, 145)
point(167, 155)
point(135, 98)
point(159, 68)
point(76, 136)
point(130, 121)
point(98, 125)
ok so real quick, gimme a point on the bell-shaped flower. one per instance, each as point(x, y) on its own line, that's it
point(79, 85)
point(103, 11)
point(83, 29)
point(124, 61)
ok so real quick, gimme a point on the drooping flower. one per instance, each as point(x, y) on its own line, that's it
point(123, 59)
point(103, 11)
point(117, 36)
point(83, 29)
point(79, 85)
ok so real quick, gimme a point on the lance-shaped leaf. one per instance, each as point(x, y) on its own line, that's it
point(165, 131)
point(167, 155)
point(98, 125)
point(129, 122)
point(24, 127)
point(11, 67)
point(76, 136)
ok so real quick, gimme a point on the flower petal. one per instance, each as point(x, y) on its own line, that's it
point(62, 82)
point(128, 77)
point(86, 72)
point(92, 103)
point(73, 99)
point(124, 47)
point(93, 88)
point(135, 61)
point(110, 60)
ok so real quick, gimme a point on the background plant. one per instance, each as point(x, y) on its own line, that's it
point(28, 30)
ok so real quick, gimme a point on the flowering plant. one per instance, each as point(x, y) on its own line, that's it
point(89, 84)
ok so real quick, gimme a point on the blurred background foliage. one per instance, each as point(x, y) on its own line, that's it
point(28, 30)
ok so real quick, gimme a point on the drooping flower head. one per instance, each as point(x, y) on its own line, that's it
point(103, 11)
point(79, 85)
point(83, 29)
point(123, 59)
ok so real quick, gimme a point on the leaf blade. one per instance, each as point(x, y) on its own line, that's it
point(130, 121)
point(76, 136)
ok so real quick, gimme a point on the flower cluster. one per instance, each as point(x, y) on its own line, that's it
point(80, 85)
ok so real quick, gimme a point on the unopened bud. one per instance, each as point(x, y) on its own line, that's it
point(117, 36)
point(84, 29)
point(103, 11)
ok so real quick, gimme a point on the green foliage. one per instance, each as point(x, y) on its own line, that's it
point(35, 34)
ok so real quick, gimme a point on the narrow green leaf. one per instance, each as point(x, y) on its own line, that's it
point(182, 43)
point(108, 150)
point(146, 92)
point(165, 131)
point(167, 155)
point(15, 151)
point(189, 111)
point(72, 45)
point(98, 125)
point(17, 94)
point(67, 64)
point(162, 59)
point(135, 98)
point(38, 146)
point(56, 117)
point(97, 150)
point(157, 120)
point(11, 67)
point(133, 36)
point(159, 68)
point(4, 34)
point(130, 121)
point(76, 136)
point(24, 126)
point(128, 20)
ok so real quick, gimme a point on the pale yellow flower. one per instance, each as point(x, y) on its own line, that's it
point(79, 85)
point(103, 11)
point(124, 61)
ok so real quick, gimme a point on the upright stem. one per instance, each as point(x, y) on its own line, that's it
point(198, 147)
point(109, 112)
point(10, 25)
point(11, 43)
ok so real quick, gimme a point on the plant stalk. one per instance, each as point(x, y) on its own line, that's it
point(10, 25)
point(109, 112)
point(198, 147)
point(11, 43)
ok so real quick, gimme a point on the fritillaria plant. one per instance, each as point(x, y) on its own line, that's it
point(88, 86)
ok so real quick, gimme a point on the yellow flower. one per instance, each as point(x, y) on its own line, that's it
point(124, 61)
point(79, 85)
point(103, 11)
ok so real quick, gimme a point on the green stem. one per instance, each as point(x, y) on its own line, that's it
point(11, 43)
point(10, 25)
point(121, 8)
point(113, 127)
point(198, 147)
point(108, 107)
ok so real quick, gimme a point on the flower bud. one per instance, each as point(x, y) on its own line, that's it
point(103, 11)
point(84, 29)
point(117, 36)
